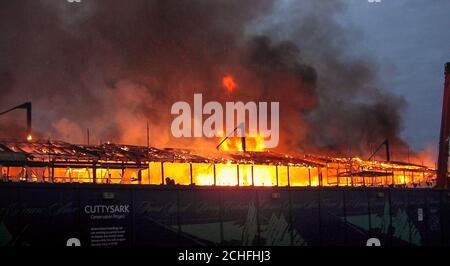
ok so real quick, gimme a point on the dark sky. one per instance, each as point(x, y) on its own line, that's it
point(408, 41)
point(411, 41)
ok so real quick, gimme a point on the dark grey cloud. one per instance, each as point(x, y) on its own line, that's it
point(410, 41)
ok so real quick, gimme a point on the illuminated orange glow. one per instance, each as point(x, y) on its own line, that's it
point(233, 169)
point(30, 137)
point(229, 83)
point(230, 173)
point(251, 144)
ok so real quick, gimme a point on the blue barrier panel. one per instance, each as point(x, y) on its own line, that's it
point(239, 210)
point(332, 217)
point(445, 201)
point(433, 215)
point(109, 215)
point(48, 217)
point(400, 233)
point(305, 217)
point(9, 216)
point(418, 217)
point(155, 217)
point(275, 219)
point(356, 217)
point(380, 219)
point(199, 216)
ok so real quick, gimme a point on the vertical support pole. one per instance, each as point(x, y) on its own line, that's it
point(49, 159)
point(238, 181)
point(328, 177)
point(123, 172)
point(149, 174)
point(319, 174)
point(148, 137)
point(94, 173)
point(148, 153)
point(190, 172)
point(28, 107)
point(338, 178)
point(423, 176)
point(276, 173)
point(108, 177)
point(214, 174)
point(352, 183)
point(162, 173)
point(244, 148)
point(349, 179)
point(442, 177)
point(139, 177)
point(70, 177)
point(364, 181)
point(393, 178)
point(385, 178)
point(288, 177)
point(404, 177)
point(53, 172)
point(388, 150)
point(253, 177)
point(372, 183)
point(309, 176)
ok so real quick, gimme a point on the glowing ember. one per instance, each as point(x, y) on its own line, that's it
point(229, 83)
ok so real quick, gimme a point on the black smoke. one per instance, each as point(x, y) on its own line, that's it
point(111, 66)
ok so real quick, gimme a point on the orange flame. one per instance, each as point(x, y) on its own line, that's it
point(229, 83)
point(251, 144)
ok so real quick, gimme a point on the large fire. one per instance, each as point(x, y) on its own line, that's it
point(242, 161)
point(110, 163)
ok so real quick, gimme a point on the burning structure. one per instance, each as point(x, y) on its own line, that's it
point(52, 161)
point(331, 101)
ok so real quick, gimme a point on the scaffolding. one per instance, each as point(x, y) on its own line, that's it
point(61, 162)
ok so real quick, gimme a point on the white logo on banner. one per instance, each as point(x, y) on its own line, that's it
point(374, 242)
point(73, 242)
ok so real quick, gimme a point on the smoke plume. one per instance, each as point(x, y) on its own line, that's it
point(112, 66)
